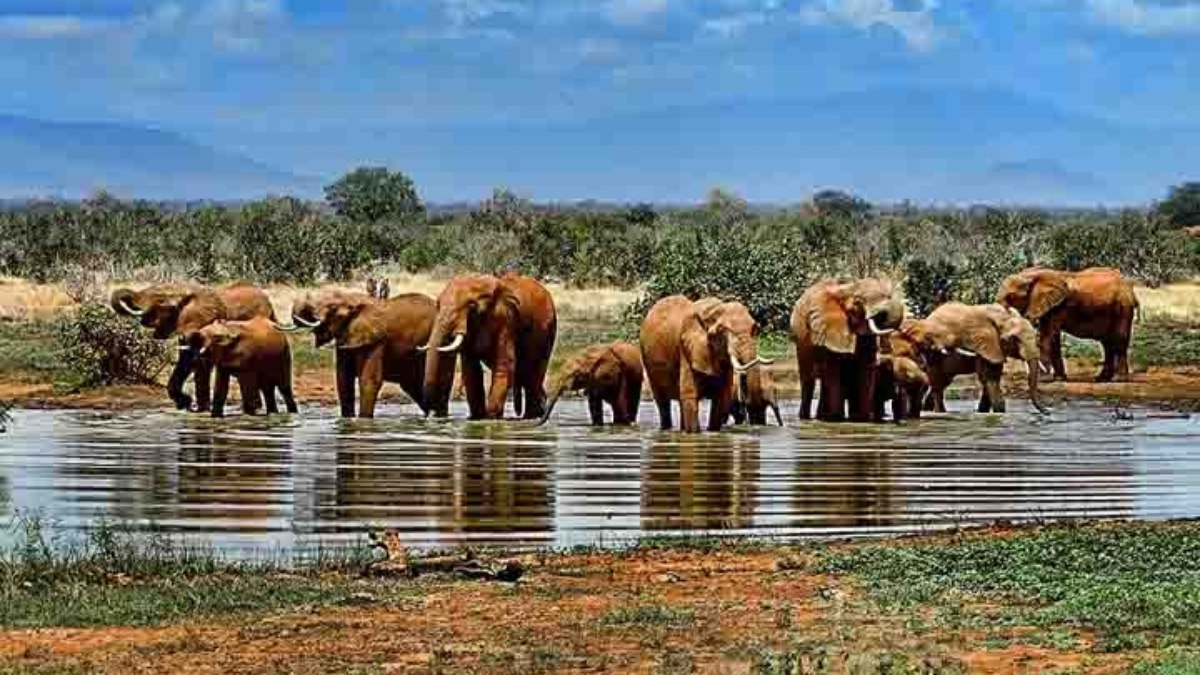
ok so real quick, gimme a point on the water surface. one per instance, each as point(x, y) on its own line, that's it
point(245, 484)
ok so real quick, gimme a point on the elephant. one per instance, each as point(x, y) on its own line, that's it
point(376, 341)
point(959, 339)
point(693, 351)
point(1096, 304)
point(903, 382)
point(754, 393)
point(508, 324)
point(257, 353)
point(175, 309)
point(609, 374)
point(836, 326)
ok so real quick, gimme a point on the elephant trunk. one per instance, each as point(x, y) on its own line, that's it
point(554, 395)
point(1035, 397)
point(435, 360)
point(775, 408)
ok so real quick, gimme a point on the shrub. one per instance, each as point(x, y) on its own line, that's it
point(100, 348)
point(929, 284)
point(5, 416)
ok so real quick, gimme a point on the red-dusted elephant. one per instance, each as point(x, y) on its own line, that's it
point(257, 353)
point(507, 324)
point(176, 309)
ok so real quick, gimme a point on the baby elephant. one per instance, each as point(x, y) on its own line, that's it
point(609, 374)
point(254, 351)
point(754, 393)
point(901, 381)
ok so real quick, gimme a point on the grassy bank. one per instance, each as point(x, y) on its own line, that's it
point(1095, 597)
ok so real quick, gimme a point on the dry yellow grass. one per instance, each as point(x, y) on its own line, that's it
point(1175, 302)
point(21, 299)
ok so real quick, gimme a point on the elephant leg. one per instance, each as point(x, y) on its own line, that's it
point(249, 385)
point(631, 396)
point(991, 376)
point(535, 391)
point(719, 411)
point(808, 387)
point(899, 406)
point(268, 392)
point(596, 408)
point(346, 374)
point(220, 393)
point(202, 379)
point(1110, 362)
point(985, 399)
point(1122, 349)
point(179, 375)
point(689, 401)
point(370, 379)
point(472, 381)
point(622, 413)
point(664, 413)
point(1058, 365)
point(832, 406)
point(285, 390)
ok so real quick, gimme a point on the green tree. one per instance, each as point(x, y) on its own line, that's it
point(374, 194)
point(840, 204)
point(1181, 208)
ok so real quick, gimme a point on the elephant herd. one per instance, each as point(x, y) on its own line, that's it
point(852, 337)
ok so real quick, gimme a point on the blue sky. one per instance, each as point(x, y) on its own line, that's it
point(311, 85)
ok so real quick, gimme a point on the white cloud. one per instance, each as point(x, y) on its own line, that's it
point(634, 12)
point(734, 25)
point(1143, 17)
point(50, 27)
point(916, 24)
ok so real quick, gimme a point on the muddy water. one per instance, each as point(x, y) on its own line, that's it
point(253, 484)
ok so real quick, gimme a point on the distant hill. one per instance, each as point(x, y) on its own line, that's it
point(70, 159)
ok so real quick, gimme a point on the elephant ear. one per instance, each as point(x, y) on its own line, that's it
point(1048, 291)
point(606, 369)
point(696, 348)
point(364, 326)
point(200, 309)
point(983, 338)
point(830, 325)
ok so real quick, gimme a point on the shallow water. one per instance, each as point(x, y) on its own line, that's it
point(250, 484)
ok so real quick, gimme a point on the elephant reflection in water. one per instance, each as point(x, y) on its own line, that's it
point(845, 487)
point(228, 475)
point(479, 485)
point(693, 484)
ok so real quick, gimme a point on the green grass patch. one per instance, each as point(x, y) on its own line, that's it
point(648, 615)
point(1136, 585)
point(1173, 662)
point(114, 576)
point(1158, 343)
point(28, 349)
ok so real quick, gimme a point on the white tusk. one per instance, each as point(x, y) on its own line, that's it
point(304, 322)
point(966, 352)
point(422, 348)
point(454, 345)
point(203, 350)
point(130, 308)
point(737, 365)
point(1043, 368)
point(765, 362)
point(185, 348)
point(876, 329)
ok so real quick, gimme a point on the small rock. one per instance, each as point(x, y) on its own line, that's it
point(667, 578)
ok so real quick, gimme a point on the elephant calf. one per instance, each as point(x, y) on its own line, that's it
point(254, 351)
point(754, 394)
point(901, 381)
point(609, 374)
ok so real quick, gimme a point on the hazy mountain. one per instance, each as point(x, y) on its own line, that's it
point(890, 144)
point(45, 158)
point(928, 145)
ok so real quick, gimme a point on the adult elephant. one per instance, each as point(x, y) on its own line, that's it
point(376, 341)
point(836, 327)
point(1095, 304)
point(175, 309)
point(693, 351)
point(959, 339)
point(609, 374)
point(508, 324)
